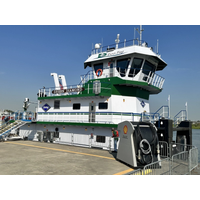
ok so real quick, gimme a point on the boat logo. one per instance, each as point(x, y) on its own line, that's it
point(46, 107)
point(125, 129)
point(115, 53)
point(142, 104)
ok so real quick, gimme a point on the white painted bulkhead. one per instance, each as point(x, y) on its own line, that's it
point(119, 108)
point(72, 135)
point(129, 107)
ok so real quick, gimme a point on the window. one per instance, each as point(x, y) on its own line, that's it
point(101, 139)
point(98, 66)
point(56, 104)
point(135, 67)
point(76, 106)
point(148, 67)
point(103, 105)
point(122, 66)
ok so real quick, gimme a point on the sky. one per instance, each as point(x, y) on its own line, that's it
point(28, 54)
point(43, 37)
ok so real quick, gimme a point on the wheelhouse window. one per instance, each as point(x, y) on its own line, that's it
point(98, 66)
point(148, 69)
point(76, 106)
point(135, 67)
point(122, 66)
point(56, 104)
point(103, 106)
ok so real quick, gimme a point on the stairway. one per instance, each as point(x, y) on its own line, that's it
point(6, 129)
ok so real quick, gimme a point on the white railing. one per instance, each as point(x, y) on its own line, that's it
point(181, 116)
point(148, 76)
point(163, 112)
point(99, 117)
point(125, 43)
point(108, 118)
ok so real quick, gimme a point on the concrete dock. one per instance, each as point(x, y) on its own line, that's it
point(36, 158)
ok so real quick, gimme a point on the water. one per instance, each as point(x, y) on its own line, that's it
point(195, 140)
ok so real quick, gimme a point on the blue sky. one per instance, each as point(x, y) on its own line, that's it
point(28, 54)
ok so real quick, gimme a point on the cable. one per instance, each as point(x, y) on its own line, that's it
point(145, 151)
point(144, 142)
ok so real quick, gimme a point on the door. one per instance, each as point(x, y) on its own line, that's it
point(92, 112)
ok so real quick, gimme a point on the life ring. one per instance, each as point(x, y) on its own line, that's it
point(99, 72)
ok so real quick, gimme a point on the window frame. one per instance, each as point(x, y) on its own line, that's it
point(56, 106)
point(78, 108)
point(149, 64)
point(98, 64)
point(132, 68)
point(101, 139)
point(125, 69)
point(105, 103)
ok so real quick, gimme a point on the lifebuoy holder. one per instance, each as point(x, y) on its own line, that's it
point(99, 72)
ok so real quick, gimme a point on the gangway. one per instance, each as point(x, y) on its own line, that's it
point(11, 126)
point(18, 119)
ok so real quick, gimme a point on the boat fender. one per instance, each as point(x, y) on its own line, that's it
point(99, 72)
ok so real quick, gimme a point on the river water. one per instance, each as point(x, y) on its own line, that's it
point(195, 140)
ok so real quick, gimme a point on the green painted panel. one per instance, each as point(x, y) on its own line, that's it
point(114, 86)
point(80, 124)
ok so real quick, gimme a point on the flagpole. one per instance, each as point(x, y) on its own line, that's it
point(186, 107)
point(169, 105)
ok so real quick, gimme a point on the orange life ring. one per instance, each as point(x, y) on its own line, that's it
point(97, 72)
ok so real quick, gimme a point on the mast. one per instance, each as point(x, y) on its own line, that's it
point(140, 32)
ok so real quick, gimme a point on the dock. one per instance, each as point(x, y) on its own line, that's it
point(36, 158)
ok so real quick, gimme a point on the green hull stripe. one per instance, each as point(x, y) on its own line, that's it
point(80, 124)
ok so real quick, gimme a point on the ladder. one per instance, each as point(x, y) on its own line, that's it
point(6, 129)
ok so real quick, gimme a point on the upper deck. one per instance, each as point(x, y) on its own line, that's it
point(127, 64)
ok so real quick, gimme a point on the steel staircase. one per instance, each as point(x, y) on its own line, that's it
point(5, 129)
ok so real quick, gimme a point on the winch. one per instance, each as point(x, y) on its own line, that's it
point(138, 144)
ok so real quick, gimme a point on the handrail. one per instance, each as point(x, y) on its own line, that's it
point(100, 117)
point(182, 117)
point(163, 113)
point(125, 43)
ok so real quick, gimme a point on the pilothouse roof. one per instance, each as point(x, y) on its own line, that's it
point(130, 47)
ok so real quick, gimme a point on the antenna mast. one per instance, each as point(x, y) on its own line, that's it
point(140, 32)
point(157, 46)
